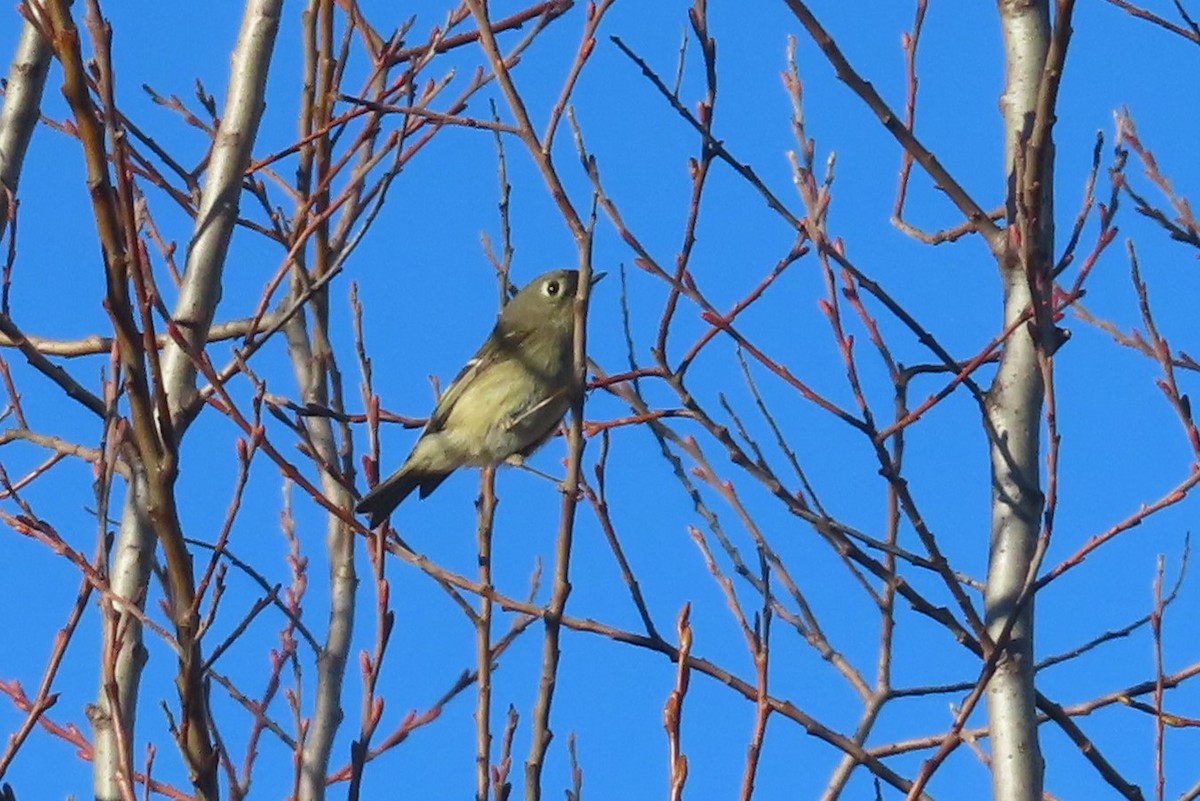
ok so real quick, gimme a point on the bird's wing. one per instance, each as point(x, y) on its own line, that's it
point(496, 347)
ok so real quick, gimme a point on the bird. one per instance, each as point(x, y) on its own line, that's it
point(504, 404)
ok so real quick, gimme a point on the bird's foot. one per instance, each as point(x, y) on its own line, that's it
point(564, 489)
point(517, 460)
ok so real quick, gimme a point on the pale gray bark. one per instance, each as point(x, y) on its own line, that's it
point(218, 210)
point(1014, 411)
point(312, 371)
point(122, 663)
point(320, 384)
point(19, 116)
point(199, 294)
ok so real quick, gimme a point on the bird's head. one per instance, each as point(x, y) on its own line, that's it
point(547, 300)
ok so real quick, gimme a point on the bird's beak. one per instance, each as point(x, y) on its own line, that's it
point(596, 278)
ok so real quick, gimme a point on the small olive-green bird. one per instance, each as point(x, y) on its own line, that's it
point(507, 401)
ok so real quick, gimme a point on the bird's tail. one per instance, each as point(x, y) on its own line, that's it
point(388, 494)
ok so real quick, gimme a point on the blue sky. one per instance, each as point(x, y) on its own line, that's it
point(430, 299)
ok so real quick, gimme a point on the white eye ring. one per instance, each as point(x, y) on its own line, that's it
point(551, 288)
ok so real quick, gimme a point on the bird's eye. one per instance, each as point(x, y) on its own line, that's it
point(552, 288)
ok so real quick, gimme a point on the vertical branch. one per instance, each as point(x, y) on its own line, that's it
point(910, 42)
point(1034, 58)
point(500, 778)
point(385, 618)
point(759, 641)
point(576, 791)
point(673, 712)
point(562, 551)
point(121, 670)
point(218, 209)
point(502, 263)
point(582, 234)
point(1156, 616)
point(483, 636)
point(22, 98)
point(319, 382)
point(699, 169)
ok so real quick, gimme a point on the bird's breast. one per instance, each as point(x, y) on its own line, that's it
point(508, 407)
